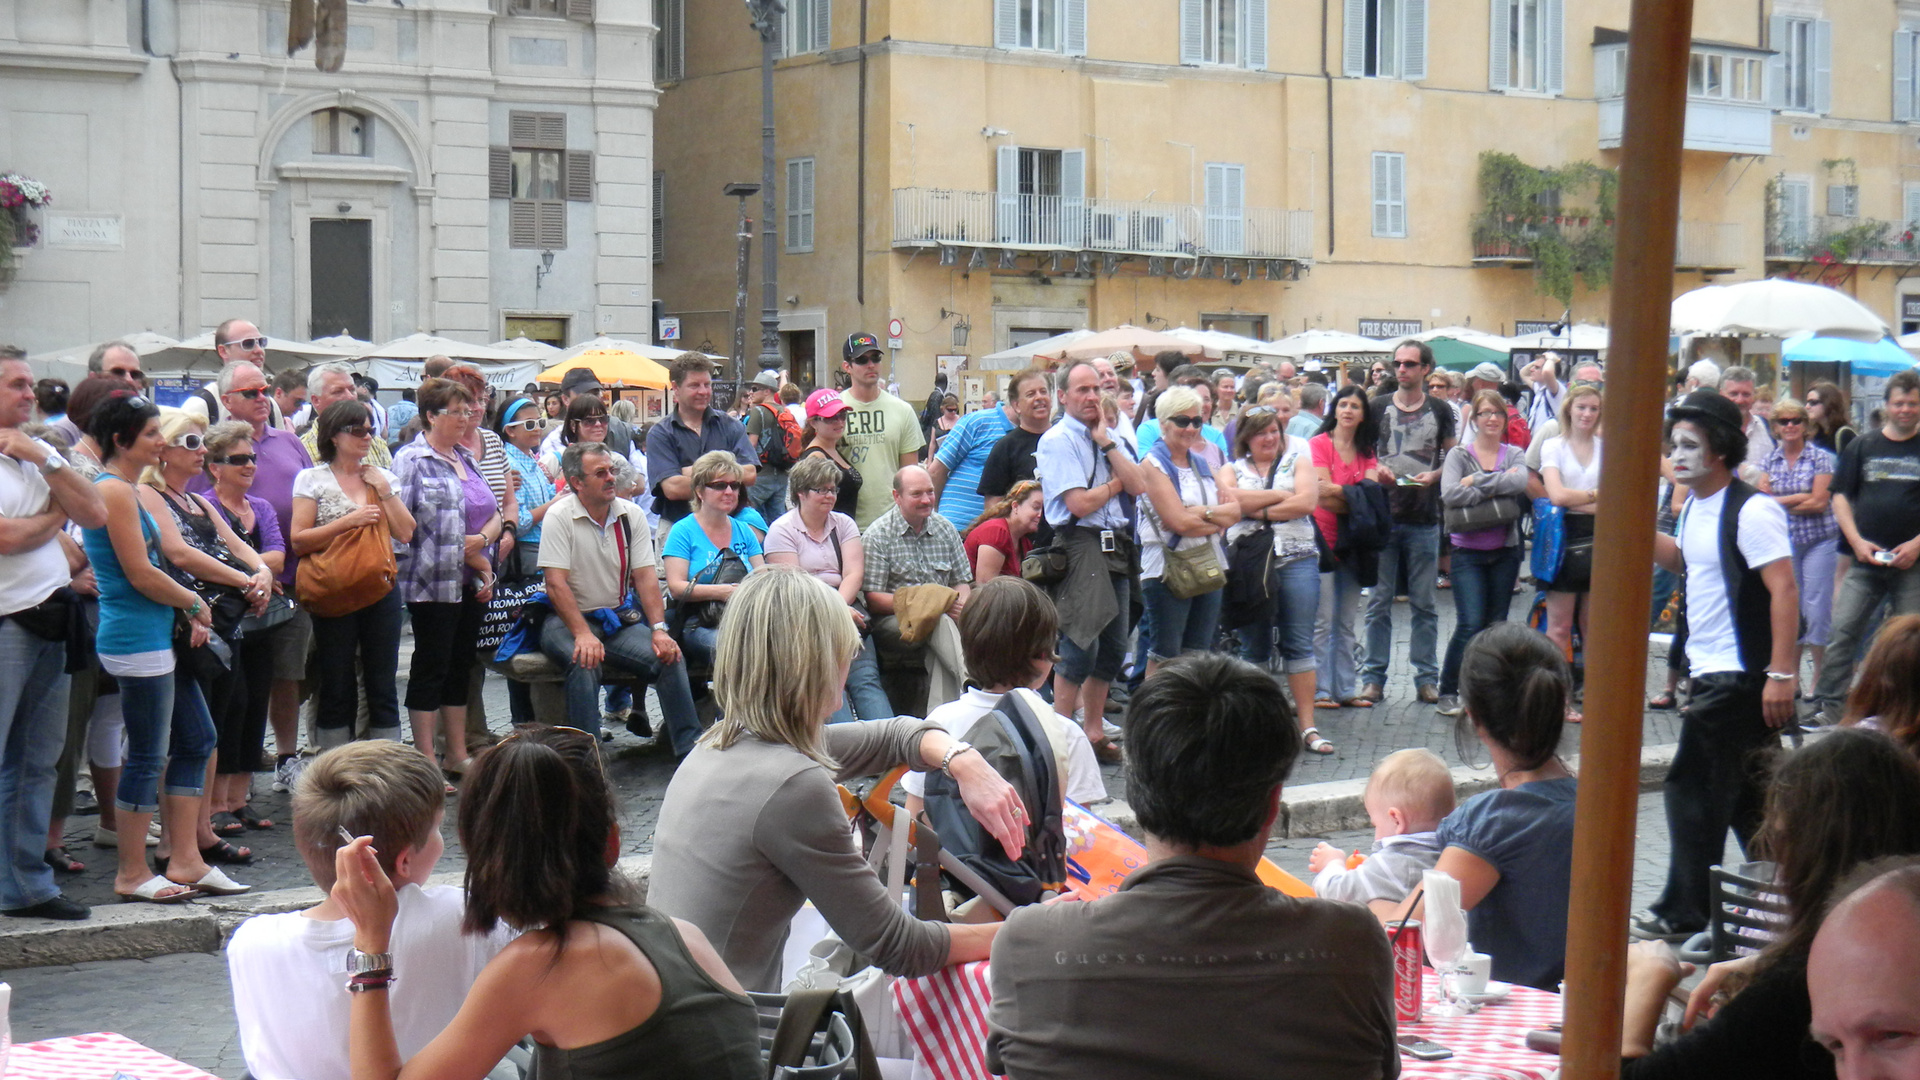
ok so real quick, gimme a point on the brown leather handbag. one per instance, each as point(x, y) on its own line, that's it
point(354, 571)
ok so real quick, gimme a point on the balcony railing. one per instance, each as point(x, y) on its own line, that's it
point(927, 217)
point(1710, 246)
point(1858, 241)
point(1718, 127)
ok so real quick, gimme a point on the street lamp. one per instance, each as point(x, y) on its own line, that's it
point(540, 273)
point(765, 16)
point(743, 192)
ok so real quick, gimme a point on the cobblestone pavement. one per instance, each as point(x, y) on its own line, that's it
point(181, 1005)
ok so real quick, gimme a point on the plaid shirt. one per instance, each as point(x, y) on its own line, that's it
point(897, 557)
point(433, 569)
point(1804, 530)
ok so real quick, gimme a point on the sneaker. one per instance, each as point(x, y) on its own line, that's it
point(1428, 694)
point(1110, 729)
point(1450, 705)
point(286, 773)
point(1646, 926)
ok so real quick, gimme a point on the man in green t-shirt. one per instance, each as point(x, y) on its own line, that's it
point(883, 432)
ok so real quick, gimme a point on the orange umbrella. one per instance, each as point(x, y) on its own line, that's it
point(1142, 343)
point(613, 367)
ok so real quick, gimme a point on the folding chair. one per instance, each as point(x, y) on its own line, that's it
point(1748, 912)
point(813, 1041)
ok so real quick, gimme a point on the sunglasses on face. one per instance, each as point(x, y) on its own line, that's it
point(597, 418)
point(1185, 421)
point(250, 342)
point(128, 374)
point(250, 395)
point(1407, 363)
point(190, 441)
point(241, 460)
point(1785, 420)
point(725, 485)
point(525, 425)
point(867, 360)
point(358, 431)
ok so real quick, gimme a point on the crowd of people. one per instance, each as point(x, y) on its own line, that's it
point(800, 579)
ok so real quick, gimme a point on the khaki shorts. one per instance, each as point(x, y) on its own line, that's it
point(290, 641)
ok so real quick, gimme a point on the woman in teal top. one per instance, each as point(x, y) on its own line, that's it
point(694, 547)
point(608, 988)
point(167, 722)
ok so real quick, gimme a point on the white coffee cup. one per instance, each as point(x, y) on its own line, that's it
point(1474, 971)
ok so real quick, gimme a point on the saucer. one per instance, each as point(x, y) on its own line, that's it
point(1495, 991)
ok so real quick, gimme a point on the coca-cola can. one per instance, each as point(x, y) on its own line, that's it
point(1407, 970)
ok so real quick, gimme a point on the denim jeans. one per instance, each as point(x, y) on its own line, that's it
point(769, 491)
point(1180, 627)
point(1860, 594)
point(1716, 783)
point(1813, 572)
point(1482, 593)
point(1333, 634)
point(370, 636)
point(1102, 659)
point(629, 655)
point(1418, 547)
point(1297, 606)
point(33, 731)
point(167, 726)
point(865, 696)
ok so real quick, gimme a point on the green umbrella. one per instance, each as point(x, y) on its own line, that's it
point(1457, 355)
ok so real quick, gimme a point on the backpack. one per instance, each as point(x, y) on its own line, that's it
point(1013, 739)
point(780, 453)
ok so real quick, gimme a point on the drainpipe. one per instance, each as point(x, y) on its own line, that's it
point(1326, 76)
point(860, 206)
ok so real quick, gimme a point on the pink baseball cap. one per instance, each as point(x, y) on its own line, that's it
point(824, 403)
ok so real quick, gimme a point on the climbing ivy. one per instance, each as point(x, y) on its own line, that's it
point(1563, 218)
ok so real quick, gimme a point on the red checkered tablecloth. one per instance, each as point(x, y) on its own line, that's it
point(95, 1057)
point(946, 1016)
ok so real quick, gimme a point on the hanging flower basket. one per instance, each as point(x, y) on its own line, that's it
point(17, 194)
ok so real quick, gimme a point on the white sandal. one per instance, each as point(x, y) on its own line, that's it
point(1316, 742)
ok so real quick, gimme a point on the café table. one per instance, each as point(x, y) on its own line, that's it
point(945, 1015)
point(101, 1055)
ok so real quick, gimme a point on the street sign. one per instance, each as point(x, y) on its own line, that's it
point(670, 329)
point(896, 333)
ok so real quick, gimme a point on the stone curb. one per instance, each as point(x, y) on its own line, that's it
point(140, 931)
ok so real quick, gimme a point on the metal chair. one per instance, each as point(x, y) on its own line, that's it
point(831, 1052)
point(1749, 910)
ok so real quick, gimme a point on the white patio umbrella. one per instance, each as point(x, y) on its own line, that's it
point(1329, 343)
point(70, 363)
point(428, 346)
point(197, 353)
point(1776, 308)
point(526, 346)
point(1219, 342)
point(1020, 355)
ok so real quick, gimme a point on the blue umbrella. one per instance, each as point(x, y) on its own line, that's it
point(1881, 357)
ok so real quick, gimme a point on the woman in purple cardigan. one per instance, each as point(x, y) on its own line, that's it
point(242, 724)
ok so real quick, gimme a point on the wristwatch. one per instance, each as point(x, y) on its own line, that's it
point(53, 464)
point(359, 963)
point(1782, 676)
point(1104, 450)
point(660, 628)
point(960, 746)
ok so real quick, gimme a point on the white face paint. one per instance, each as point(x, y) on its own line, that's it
point(1689, 453)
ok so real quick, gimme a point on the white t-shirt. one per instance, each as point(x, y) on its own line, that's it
point(329, 502)
point(1072, 753)
point(1762, 536)
point(289, 976)
point(29, 577)
point(1558, 454)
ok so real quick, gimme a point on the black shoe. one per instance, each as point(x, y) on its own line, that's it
point(1646, 926)
point(57, 908)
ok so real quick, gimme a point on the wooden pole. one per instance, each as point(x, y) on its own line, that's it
point(1659, 37)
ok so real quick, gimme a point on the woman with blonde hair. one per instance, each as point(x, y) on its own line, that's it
point(1570, 469)
point(699, 545)
point(999, 538)
point(752, 826)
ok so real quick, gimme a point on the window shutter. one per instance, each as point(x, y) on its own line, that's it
point(670, 47)
point(1913, 205)
point(1777, 63)
point(1413, 40)
point(1007, 188)
point(659, 217)
point(1499, 30)
point(1822, 66)
point(523, 129)
point(579, 176)
point(1381, 223)
point(581, 10)
point(822, 25)
point(1074, 22)
point(1555, 47)
point(806, 201)
point(499, 172)
point(1255, 28)
point(551, 130)
point(521, 230)
point(1073, 197)
point(1006, 24)
point(1353, 39)
point(552, 219)
point(1193, 32)
point(1397, 194)
point(1903, 75)
point(800, 204)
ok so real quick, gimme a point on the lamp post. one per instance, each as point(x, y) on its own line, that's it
point(766, 22)
point(743, 192)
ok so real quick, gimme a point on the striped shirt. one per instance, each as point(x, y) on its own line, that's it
point(964, 453)
point(1804, 530)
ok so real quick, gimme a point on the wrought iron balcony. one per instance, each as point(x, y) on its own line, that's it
point(1833, 240)
point(934, 217)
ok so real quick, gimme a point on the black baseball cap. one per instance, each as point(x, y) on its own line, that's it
point(859, 345)
point(580, 379)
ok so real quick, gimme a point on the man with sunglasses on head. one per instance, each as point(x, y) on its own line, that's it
point(245, 395)
point(39, 494)
point(327, 384)
point(693, 428)
point(235, 341)
point(883, 432)
point(1416, 431)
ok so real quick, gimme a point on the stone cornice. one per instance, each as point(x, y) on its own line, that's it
point(344, 170)
point(1115, 69)
point(67, 60)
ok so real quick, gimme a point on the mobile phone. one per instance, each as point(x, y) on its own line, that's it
point(1546, 1041)
point(1883, 557)
point(1423, 1049)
